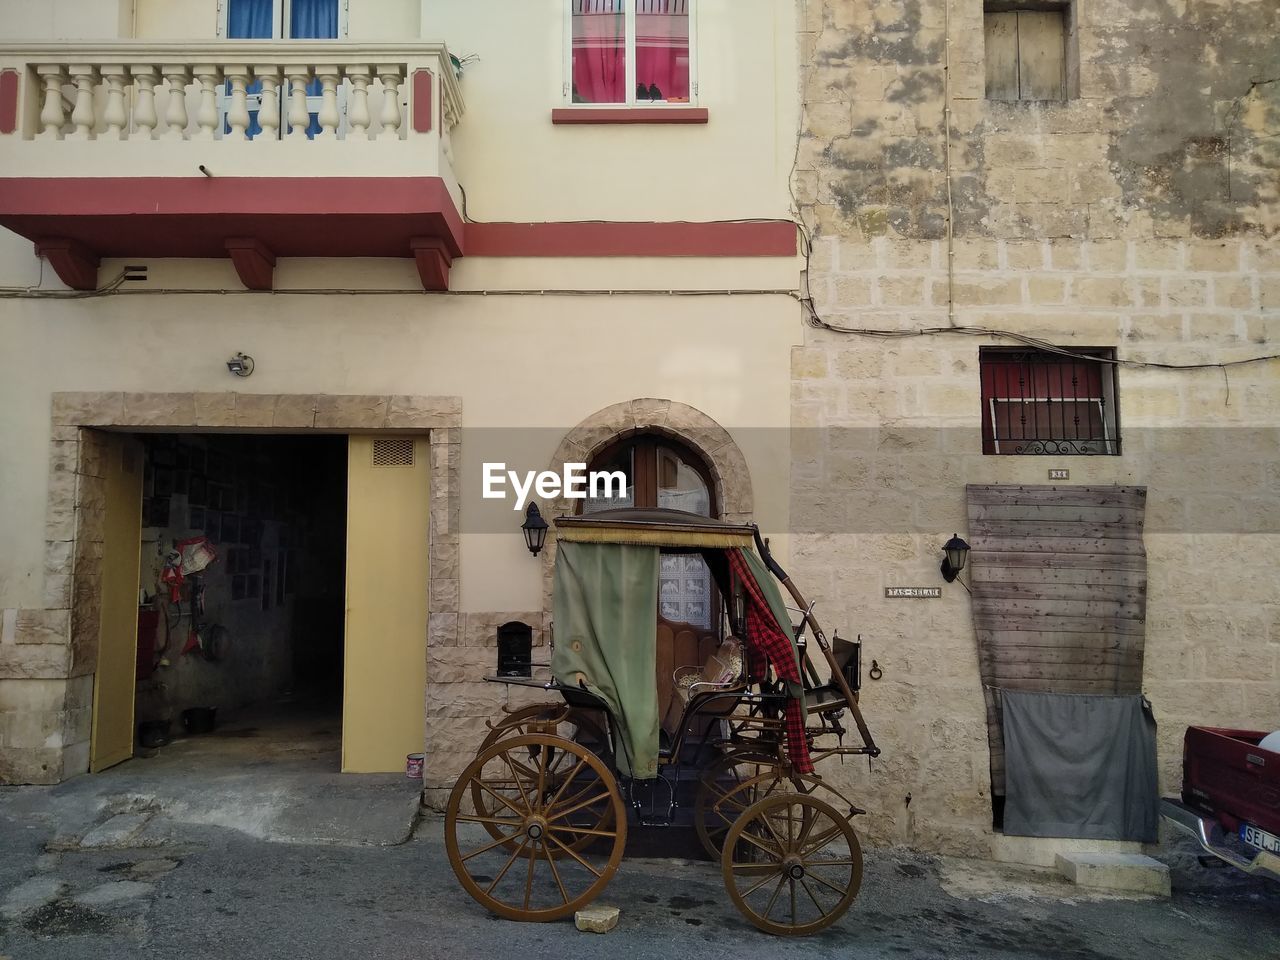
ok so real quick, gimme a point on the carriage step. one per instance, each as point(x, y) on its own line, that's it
point(656, 823)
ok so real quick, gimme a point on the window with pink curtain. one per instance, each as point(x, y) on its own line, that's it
point(599, 51)
point(601, 46)
point(662, 50)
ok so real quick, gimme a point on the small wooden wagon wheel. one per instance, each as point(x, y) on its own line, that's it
point(792, 864)
point(536, 868)
point(723, 793)
point(567, 723)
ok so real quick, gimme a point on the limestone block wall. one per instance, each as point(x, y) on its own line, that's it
point(1140, 215)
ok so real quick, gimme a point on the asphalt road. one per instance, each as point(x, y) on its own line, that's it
point(199, 891)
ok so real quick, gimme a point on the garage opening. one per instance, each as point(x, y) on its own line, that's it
point(242, 580)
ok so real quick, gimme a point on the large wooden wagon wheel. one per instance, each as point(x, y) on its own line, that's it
point(536, 868)
point(792, 864)
point(564, 722)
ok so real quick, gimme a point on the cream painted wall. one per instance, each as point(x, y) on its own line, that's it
point(65, 19)
point(174, 19)
point(518, 364)
point(378, 20)
point(735, 166)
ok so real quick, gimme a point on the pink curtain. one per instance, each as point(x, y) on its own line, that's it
point(662, 48)
point(599, 52)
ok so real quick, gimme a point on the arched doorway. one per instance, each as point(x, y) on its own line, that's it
point(663, 472)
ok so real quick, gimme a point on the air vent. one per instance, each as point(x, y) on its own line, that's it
point(393, 452)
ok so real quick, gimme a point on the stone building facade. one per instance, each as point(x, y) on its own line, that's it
point(1139, 213)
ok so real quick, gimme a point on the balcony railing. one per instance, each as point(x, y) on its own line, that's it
point(248, 149)
point(263, 93)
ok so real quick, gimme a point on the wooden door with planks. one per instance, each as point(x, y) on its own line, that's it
point(1059, 582)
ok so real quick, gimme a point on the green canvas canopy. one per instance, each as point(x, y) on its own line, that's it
point(606, 611)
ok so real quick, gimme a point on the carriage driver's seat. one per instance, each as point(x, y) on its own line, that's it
point(829, 696)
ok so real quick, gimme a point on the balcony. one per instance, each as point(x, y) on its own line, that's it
point(247, 149)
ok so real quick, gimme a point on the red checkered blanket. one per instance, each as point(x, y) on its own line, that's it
point(766, 643)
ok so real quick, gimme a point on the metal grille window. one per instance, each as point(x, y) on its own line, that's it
point(1037, 402)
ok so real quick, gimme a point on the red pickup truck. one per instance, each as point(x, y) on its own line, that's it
point(1230, 797)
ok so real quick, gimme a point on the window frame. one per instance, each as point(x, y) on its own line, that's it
point(1069, 11)
point(1109, 444)
point(280, 15)
point(629, 87)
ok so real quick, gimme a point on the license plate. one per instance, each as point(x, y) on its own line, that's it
point(1259, 838)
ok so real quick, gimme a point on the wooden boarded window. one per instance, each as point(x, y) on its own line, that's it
point(1026, 51)
point(1059, 582)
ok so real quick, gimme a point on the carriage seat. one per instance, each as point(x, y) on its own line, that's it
point(724, 670)
point(829, 696)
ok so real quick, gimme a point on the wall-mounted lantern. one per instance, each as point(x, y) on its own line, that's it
point(535, 529)
point(954, 554)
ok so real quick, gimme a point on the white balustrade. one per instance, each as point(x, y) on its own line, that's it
point(85, 78)
point(358, 105)
point(53, 76)
point(269, 110)
point(208, 76)
point(114, 116)
point(141, 91)
point(175, 114)
point(145, 118)
point(299, 115)
point(238, 118)
point(328, 116)
point(389, 74)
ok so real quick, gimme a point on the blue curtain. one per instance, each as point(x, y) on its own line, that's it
point(313, 19)
point(250, 20)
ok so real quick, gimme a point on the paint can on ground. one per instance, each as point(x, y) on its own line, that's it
point(413, 766)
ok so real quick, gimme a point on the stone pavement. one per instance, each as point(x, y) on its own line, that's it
point(179, 889)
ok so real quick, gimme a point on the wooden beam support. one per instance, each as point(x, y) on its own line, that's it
point(254, 262)
point(74, 263)
point(434, 260)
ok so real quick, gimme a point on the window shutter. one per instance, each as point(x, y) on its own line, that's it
point(1042, 69)
point(1002, 55)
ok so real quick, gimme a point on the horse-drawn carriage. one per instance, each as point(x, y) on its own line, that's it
point(537, 823)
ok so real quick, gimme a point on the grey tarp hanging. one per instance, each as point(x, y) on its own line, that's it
point(1080, 765)
point(606, 621)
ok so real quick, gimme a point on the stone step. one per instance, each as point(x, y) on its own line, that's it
point(1129, 872)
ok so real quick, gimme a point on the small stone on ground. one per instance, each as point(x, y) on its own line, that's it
point(597, 919)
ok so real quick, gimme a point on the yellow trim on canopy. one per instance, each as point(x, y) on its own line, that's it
point(637, 533)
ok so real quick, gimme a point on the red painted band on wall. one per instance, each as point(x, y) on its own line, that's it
point(422, 102)
point(8, 101)
point(755, 238)
point(571, 115)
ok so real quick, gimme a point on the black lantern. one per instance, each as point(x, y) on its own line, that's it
point(955, 552)
point(535, 529)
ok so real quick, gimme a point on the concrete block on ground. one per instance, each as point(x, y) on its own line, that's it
point(1130, 872)
point(596, 919)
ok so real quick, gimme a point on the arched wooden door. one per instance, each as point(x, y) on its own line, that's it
point(663, 472)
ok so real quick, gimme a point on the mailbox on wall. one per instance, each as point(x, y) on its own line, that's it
point(515, 649)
